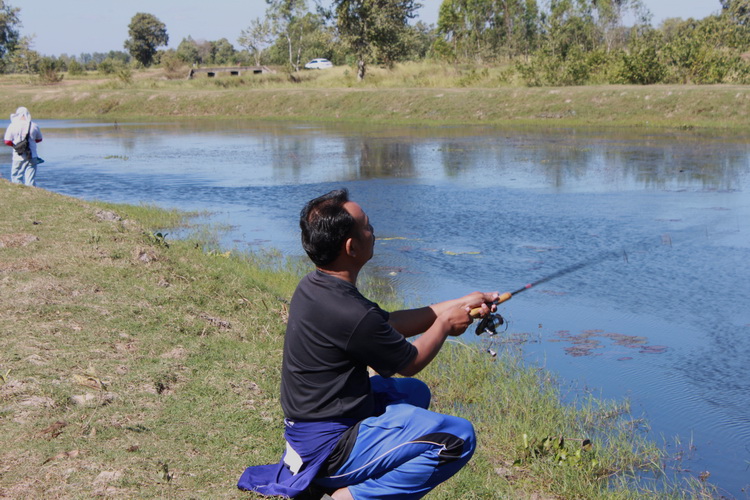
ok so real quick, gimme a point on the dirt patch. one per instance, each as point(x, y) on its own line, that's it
point(176, 353)
point(16, 240)
point(37, 402)
point(145, 255)
point(21, 265)
point(107, 215)
point(15, 389)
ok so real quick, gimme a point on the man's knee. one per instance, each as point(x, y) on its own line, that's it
point(410, 391)
point(419, 393)
point(455, 433)
point(463, 430)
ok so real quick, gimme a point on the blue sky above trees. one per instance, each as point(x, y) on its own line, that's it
point(87, 26)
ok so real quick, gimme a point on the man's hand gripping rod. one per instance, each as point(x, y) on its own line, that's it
point(474, 313)
point(490, 322)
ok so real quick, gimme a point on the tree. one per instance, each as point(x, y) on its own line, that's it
point(22, 59)
point(609, 17)
point(374, 28)
point(188, 52)
point(9, 23)
point(738, 10)
point(450, 28)
point(530, 29)
point(641, 63)
point(287, 18)
point(735, 28)
point(487, 29)
point(418, 40)
point(205, 51)
point(223, 52)
point(256, 38)
point(146, 34)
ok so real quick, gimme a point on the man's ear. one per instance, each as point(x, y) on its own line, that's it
point(350, 246)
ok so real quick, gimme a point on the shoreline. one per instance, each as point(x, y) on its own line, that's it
point(719, 108)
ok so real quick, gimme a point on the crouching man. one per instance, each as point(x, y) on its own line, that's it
point(349, 435)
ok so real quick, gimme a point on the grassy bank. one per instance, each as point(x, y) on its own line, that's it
point(133, 365)
point(419, 94)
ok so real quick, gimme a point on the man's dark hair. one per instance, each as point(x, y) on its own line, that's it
point(325, 226)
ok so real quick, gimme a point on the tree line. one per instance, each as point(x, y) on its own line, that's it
point(558, 42)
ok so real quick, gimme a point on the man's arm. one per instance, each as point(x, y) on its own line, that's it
point(449, 318)
point(410, 322)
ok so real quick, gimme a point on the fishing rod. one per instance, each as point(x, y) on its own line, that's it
point(492, 321)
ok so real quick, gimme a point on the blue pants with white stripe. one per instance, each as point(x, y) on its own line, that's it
point(405, 452)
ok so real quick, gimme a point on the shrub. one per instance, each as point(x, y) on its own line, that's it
point(108, 66)
point(75, 68)
point(472, 77)
point(116, 68)
point(173, 66)
point(47, 71)
point(642, 65)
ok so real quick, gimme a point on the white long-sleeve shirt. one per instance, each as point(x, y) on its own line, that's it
point(16, 132)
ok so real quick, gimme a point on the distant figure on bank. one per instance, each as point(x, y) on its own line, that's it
point(23, 135)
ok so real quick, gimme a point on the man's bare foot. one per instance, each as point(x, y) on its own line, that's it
point(342, 494)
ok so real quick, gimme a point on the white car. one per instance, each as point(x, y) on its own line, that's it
point(319, 64)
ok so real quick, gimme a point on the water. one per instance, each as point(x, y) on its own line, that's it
point(663, 321)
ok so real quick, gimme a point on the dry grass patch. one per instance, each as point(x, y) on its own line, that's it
point(16, 240)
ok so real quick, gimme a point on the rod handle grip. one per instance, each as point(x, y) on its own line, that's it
point(474, 313)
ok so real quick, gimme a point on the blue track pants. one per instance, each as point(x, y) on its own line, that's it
point(23, 171)
point(405, 452)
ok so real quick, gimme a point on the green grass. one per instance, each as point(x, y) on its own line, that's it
point(135, 365)
point(411, 94)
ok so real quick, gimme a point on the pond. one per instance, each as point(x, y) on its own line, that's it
point(660, 316)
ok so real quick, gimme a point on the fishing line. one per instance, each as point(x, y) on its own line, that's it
point(490, 323)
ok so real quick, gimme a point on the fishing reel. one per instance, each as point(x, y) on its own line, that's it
point(490, 324)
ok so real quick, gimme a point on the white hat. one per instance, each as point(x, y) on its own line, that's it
point(21, 113)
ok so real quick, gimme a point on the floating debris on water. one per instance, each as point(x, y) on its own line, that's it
point(589, 342)
point(395, 271)
point(626, 340)
point(586, 350)
point(653, 349)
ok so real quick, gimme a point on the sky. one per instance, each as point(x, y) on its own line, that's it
point(74, 27)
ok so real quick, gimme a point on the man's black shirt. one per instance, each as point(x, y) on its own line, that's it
point(333, 334)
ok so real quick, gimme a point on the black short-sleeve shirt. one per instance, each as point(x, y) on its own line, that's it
point(333, 334)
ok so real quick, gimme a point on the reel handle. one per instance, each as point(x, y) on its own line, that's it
point(474, 313)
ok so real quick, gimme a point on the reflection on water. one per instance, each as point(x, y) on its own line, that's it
point(664, 322)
